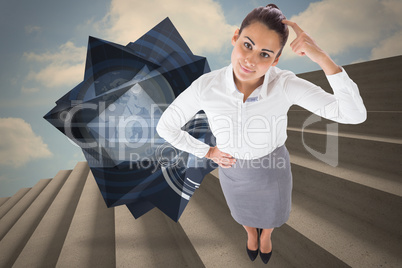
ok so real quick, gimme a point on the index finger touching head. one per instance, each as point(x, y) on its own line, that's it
point(294, 26)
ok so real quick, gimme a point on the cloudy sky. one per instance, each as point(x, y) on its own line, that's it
point(43, 50)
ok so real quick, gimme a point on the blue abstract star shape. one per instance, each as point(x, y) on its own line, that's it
point(112, 115)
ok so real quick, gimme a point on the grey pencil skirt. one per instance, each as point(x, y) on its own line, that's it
point(259, 191)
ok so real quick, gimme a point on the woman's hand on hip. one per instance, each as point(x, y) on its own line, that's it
point(222, 159)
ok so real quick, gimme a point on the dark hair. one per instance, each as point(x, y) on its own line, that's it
point(271, 16)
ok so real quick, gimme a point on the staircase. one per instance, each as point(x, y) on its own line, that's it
point(344, 216)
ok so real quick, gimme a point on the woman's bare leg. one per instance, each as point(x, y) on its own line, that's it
point(252, 241)
point(265, 240)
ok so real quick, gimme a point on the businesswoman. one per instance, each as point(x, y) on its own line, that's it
point(246, 104)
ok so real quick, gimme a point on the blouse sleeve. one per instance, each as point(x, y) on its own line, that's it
point(344, 106)
point(178, 113)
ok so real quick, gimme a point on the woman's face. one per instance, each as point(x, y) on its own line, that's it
point(254, 51)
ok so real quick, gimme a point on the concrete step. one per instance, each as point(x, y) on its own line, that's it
point(374, 181)
point(379, 124)
point(353, 241)
point(14, 241)
point(335, 226)
point(12, 201)
point(220, 241)
point(44, 246)
point(368, 78)
point(375, 207)
point(90, 240)
point(19, 209)
point(3, 200)
point(333, 132)
point(153, 240)
point(301, 251)
point(366, 156)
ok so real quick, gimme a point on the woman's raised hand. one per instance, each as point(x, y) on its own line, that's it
point(222, 159)
point(305, 45)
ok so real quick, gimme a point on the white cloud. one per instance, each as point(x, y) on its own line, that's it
point(58, 74)
point(388, 47)
point(67, 52)
point(339, 25)
point(32, 28)
point(201, 23)
point(64, 67)
point(19, 144)
point(29, 90)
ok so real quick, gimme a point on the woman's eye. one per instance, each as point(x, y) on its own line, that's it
point(265, 55)
point(247, 45)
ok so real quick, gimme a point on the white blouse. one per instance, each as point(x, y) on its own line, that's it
point(252, 129)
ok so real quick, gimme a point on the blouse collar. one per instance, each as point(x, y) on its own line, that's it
point(231, 86)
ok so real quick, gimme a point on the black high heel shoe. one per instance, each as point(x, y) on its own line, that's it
point(264, 256)
point(252, 254)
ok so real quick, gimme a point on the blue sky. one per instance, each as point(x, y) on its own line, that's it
point(43, 49)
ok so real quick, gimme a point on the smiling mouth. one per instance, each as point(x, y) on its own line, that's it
point(245, 69)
